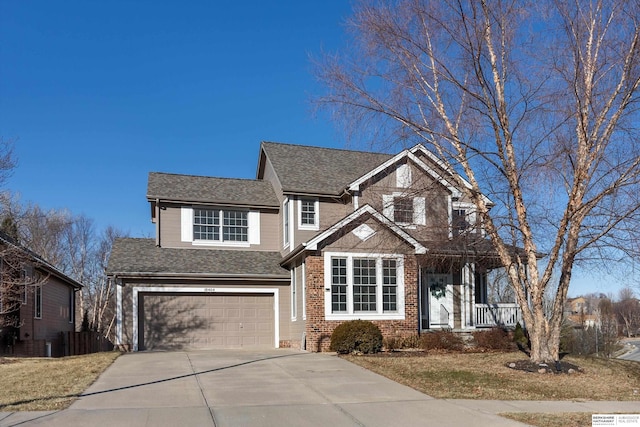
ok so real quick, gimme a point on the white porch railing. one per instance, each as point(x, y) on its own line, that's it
point(503, 314)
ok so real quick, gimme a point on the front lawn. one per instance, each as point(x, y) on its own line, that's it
point(44, 384)
point(486, 376)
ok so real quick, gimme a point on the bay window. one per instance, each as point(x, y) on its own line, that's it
point(364, 286)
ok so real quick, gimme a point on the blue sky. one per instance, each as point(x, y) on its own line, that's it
point(98, 94)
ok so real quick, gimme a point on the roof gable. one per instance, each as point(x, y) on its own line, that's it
point(317, 170)
point(366, 210)
point(204, 189)
point(39, 262)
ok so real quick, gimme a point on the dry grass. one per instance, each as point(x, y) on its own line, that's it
point(485, 376)
point(563, 419)
point(44, 384)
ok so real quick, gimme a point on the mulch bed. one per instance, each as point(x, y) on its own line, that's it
point(559, 367)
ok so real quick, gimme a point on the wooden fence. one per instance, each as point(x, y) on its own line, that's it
point(75, 343)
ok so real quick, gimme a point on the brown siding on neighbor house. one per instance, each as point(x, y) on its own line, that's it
point(171, 230)
point(34, 333)
point(319, 330)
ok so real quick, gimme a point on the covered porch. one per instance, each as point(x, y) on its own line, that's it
point(455, 293)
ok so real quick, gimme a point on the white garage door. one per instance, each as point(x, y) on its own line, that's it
point(204, 321)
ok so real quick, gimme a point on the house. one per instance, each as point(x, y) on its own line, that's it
point(321, 236)
point(37, 303)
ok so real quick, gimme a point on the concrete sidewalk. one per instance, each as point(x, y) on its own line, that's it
point(271, 388)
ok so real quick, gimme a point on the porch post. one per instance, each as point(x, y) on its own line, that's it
point(467, 296)
point(463, 295)
point(472, 296)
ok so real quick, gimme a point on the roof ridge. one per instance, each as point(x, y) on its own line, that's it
point(326, 148)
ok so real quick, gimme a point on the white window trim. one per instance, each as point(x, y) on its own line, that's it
point(287, 229)
point(186, 228)
point(419, 209)
point(350, 314)
point(316, 209)
point(294, 296)
point(471, 210)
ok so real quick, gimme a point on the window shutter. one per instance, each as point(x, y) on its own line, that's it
point(387, 206)
point(419, 211)
point(254, 227)
point(186, 224)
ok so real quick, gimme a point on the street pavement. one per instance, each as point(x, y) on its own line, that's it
point(633, 350)
point(271, 388)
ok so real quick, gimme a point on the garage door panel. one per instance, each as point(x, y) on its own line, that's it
point(179, 321)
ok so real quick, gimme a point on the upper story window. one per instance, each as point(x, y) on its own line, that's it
point(308, 214)
point(285, 222)
point(220, 225)
point(463, 218)
point(404, 209)
point(364, 286)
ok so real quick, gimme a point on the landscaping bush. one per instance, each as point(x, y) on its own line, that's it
point(520, 337)
point(441, 340)
point(493, 339)
point(398, 342)
point(356, 336)
point(392, 343)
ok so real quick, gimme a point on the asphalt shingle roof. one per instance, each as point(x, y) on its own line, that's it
point(140, 256)
point(318, 170)
point(206, 189)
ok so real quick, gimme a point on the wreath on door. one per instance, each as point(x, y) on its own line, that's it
point(438, 290)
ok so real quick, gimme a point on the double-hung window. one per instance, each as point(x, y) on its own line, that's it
point(364, 286)
point(404, 209)
point(308, 214)
point(220, 225)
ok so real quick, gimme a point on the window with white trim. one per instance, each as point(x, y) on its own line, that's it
point(38, 302)
point(404, 209)
point(220, 225)
point(285, 222)
point(308, 214)
point(364, 286)
point(389, 285)
point(463, 218)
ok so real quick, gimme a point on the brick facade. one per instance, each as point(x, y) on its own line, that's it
point(318, 330)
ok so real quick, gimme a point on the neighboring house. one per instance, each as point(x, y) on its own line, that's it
point(42, 303)
point(321, 236)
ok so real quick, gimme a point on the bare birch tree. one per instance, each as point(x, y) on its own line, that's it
point(535, 103)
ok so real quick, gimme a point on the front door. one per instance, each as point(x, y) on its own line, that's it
point(437, 301)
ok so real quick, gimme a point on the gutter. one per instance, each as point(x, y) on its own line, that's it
point(198, 276)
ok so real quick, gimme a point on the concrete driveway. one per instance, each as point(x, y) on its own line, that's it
point(242, 388)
